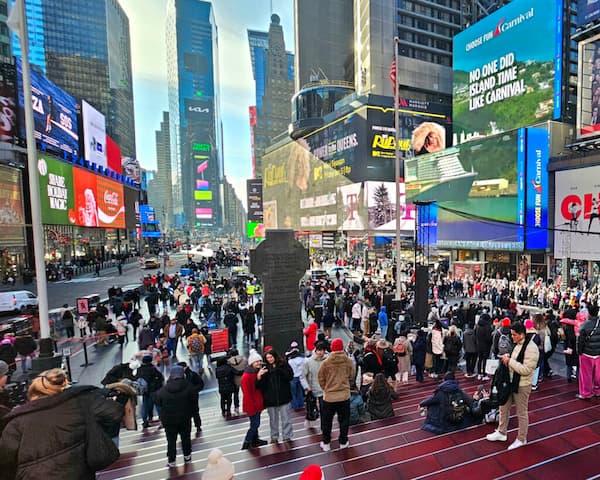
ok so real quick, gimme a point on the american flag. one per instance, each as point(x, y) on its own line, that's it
point(393, 73)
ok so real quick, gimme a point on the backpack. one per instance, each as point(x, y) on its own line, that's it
point(312, 411)
point(400, 350)
point(141, 386)
point(504, 344)
point(502, 383)
point(456, 408)
point(196, 345)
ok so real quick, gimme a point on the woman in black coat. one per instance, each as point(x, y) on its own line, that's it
point(45, 438)
point(225, 376)
point(379, 398)
point(419, 353)
point(275, 385)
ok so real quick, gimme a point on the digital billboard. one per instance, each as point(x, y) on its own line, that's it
point(86, 198)
point(56, 191)
point(94, 134)
point(254, 199)
point(536, 188)
point(111, 203)
point(508, 69)
point(255, 229)
point(131, 207)
point(588, 88)
point(203, 161)
point(577, 214)
point(113, 155)
point(8, 102)
point(381, 207)
point(587, 11)
point(478, 190)
point(12, 217)
point(131, 169)
point(54, 113)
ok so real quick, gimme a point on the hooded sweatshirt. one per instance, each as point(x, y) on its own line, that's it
point(310, 375)
point(178, 401)
point(383, 318)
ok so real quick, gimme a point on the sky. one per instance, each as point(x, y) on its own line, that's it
point(149, 64)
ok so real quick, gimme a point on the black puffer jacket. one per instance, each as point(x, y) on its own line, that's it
point(44, 439)
point(483, 333)
point(379, 402)
point(588, 342)
point(275, 385)
point(178, 401)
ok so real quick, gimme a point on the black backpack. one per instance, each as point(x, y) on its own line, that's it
point(456, 408)
point(502, 383)
point(312, 410)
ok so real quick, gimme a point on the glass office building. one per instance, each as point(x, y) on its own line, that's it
point(194, 116)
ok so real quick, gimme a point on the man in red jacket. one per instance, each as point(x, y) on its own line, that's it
point(252, 402)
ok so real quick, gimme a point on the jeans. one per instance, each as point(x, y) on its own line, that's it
point(520, 399)
point(147, 407)
point(236, 397)
point(196, 362)
point(252, 433)
point(297, 393)
point(383, 333)
point(589, 376)
point(172, 346)
point(275, 414)
point(329, 409)
point(183, 430)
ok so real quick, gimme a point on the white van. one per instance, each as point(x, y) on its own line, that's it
point(17, 301)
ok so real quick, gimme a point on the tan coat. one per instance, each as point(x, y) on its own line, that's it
point(335, 376)
point(529, 364)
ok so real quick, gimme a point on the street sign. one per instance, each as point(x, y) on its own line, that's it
point(83, 305)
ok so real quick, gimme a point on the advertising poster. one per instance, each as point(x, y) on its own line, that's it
point(54, 113)
point(12, 218)
point(111, 203)
point(503, 79)
point(86, 198)
point(8, 102)
point(577, 214)
point(56, 191)
point(131, 169)
point(255, 200)
point(113, 155)
point(131, 207)
point(588, 88)
point(538, 154)
point(477, 189)
point(381, 207)
point(94, 134)
point(353, 213)
point(587, 11)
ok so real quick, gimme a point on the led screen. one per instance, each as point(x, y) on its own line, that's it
point(508, 69)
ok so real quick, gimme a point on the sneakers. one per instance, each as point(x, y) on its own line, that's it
point(345, 445)
point(171, 464)
point(259, 443)
point(187, 459)
point(325, 446)
point(479, 377)
point(485, 377)
point(496, 436)
point(580, 397)
point(534, 388)
point(516, 444)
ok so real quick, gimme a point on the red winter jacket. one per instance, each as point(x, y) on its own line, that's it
point(310, 333)
point(252, 401)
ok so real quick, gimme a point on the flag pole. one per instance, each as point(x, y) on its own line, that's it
point(34, 189)
point(397, 166)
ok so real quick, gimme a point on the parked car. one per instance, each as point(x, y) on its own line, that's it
point(17, 301)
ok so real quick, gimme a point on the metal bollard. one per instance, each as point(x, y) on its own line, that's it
point(85, 355)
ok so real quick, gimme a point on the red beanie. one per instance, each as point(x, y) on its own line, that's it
point(506, 322)
point(337, 345)
point(313, 472)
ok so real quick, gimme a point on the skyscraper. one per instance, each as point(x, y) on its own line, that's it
point(163, 197)
point(273, 73)
point(324, 41)
point(194, 117)
point(84, 47)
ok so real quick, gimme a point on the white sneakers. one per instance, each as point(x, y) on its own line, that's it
point(496, 436)
point(516, 444)
point(345, 445)
point(325, 446)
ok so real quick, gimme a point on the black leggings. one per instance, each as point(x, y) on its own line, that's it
point(481, 359)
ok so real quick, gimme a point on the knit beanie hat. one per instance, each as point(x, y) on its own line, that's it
point(528, 324)
point(254, 357)
point(312, 472)
point(218, 467)
point(506, 322)
point(337, 345)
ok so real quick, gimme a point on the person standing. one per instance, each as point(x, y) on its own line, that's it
point(252, 402)
point(177, 401)
point(335, 376)
point(296, 361)
point(483, 334)
point(154, 381)
point(277, 394)
point(588, 347)
point(68, 321)
point(382, 320)
point(173, 332)
point(470, 347)
point(197, 384)
point(522, 363)
point(310, 377)
point(195, 343)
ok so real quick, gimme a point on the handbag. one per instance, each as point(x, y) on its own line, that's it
point(491, 365)
point(100, 451)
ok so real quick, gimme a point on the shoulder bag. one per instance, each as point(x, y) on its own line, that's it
point(100, 451)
